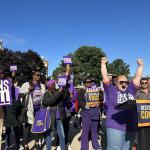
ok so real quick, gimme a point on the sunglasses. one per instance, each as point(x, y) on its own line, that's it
point(38, 75)
point(144, 82)
point(88, 81)
point(123, 82)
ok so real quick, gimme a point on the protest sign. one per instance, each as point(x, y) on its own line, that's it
point(143, 109)
point(67, 60)
point(13, 67)
point(5, 92)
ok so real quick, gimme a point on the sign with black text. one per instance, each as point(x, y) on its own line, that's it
point(5, 94)
point(143, 109)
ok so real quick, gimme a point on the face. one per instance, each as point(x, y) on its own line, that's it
point(122, 83)
point(88, 83)
point(36, 76)
point(144, 84)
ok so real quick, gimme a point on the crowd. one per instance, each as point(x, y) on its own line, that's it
point(38, 109)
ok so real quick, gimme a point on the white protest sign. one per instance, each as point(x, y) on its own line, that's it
point(5, 95)
point(13, 67)
point(62, 81)
point(67, 60)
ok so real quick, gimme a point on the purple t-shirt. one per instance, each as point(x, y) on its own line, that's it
point(124, 120)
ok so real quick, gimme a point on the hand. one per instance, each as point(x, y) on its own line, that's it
point(30, 88)
point(104, 60)
point(140, 62)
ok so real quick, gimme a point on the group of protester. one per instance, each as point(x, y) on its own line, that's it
point(60, 103)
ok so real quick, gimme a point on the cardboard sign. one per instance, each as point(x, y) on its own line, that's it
point(67, 60)
point(13, 67)
point(62, 81)
point(143, 110)
point(5, 94)
point(92, 97)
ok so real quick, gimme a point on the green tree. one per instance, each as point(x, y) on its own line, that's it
point(87, 63)
point(118, 66)
point(26, 62)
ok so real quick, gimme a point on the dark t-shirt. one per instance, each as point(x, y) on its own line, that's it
point(124, 120)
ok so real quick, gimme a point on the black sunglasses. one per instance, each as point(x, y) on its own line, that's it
point(88, 82)
point(38, 75)
point(144, 82)
point(123, 82)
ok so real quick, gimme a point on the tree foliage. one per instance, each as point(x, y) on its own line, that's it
point(118, 66)
point(26, 62)
point(86, 62)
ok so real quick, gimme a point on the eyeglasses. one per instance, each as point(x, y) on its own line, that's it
point(123, 82)
point(144, 82)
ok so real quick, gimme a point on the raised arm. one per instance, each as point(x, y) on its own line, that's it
point(104, 70)
point(138, 74)
point(67, 69)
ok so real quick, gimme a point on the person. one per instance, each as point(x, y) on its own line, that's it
point(89, 100)
point(11, 114)
point(1, 109)
point(144, 132)
point(54, 99)
point(149, 83)
point(33, 93)
point(121, 115)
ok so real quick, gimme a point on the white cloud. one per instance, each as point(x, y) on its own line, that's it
point(12, 39)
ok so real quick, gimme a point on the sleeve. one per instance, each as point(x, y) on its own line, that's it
point(24, 88)
point(43, 89)
point(81, 98)
point(49, 100)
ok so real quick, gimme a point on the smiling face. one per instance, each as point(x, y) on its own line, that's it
point(122, 83)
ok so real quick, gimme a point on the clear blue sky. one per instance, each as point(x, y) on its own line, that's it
point(56, 27)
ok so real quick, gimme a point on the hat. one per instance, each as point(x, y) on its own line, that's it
point(50, 83)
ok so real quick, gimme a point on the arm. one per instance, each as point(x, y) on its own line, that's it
point(138, 74)
point(51, 99)
point(104, 71)
point(81, 98)
point(67, 69)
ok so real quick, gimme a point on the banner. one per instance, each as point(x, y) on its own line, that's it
point(13, 68)
point(67, 60)
point(143, 109)
point(5, 92)
point(62, 81)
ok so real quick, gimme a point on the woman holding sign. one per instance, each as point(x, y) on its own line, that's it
point(89, 100)
point(33, 92)
point(55, 99)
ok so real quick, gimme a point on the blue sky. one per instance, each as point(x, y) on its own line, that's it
point(56, 27)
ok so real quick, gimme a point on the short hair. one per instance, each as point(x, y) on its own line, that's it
point(144, 78)
point(35, 70)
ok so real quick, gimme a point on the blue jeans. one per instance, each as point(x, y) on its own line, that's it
point(61, 135)
point(120, 140)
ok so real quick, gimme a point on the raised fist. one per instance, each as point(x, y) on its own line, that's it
point(104, 60)
point(140, 62)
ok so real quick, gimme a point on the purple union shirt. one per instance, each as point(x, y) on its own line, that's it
point(124, 120)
